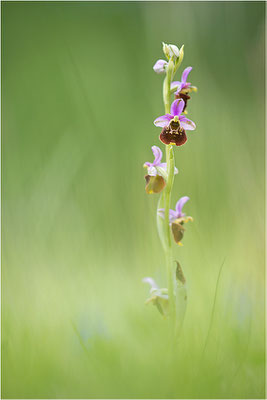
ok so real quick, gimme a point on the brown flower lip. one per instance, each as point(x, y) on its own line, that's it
point(178, 232)
point(177, 135)
point(185, 98)
point(154, 184)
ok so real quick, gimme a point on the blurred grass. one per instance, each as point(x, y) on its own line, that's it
point(78, 231)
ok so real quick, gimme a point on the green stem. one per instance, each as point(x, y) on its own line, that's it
point(168, 189)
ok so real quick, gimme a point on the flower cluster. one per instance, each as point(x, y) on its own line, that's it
point(160, 175)
point(175, 124)
point(172, 53)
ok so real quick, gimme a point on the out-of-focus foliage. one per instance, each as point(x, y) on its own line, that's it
point(79, 232)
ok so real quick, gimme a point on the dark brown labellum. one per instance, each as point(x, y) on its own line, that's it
point(185, 98)
point(177, 231)
point(154, 184)
point(174, 125)
point(169, 135)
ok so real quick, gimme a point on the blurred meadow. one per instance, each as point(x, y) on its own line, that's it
point(79, 97)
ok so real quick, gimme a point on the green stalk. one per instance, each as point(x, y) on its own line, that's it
point(167, 198)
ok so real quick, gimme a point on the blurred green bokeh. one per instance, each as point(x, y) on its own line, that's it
point(79, 97)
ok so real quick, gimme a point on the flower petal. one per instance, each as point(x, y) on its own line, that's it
point(164, 166)
point(151, 171)
point(174, 51)
point(179, 206)
point(151, 282)
point(162, 172)
point(176, 83)
point(157, 154)
point(163, 120)
point(187, 124)
point(161, 295)
point(177, 107)
point(172, 214)
point(185, 74)
point(161, 212)
point(147, 164)
point(159, 66)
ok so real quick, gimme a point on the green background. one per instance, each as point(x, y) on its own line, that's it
point(79, 97)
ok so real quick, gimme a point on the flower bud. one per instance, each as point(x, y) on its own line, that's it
point(174, 51)
point(179, 58)
point(160, 66)
point(170, 50)
point(166, 50)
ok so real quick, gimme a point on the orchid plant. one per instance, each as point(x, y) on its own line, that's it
point(159, 179)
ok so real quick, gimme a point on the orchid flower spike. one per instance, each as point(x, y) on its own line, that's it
point(177, 219)
point(183, 87)
point(174, 124)
point(156, 172)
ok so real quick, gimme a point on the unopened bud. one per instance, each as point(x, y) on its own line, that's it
point(160, 66)
point(170, 50)
point(174, 51)
point(180, 58)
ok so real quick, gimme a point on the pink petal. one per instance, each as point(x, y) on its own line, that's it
point(187, 124)
point(163, 120)
point(151, 282)
point(185, 74)
point(164, 166)
point(179, 205)
point(157, 154)
point(176, 83)
point(173, 216)
point(177, 107)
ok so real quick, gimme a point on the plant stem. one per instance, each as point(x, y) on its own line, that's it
point(168, 189)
